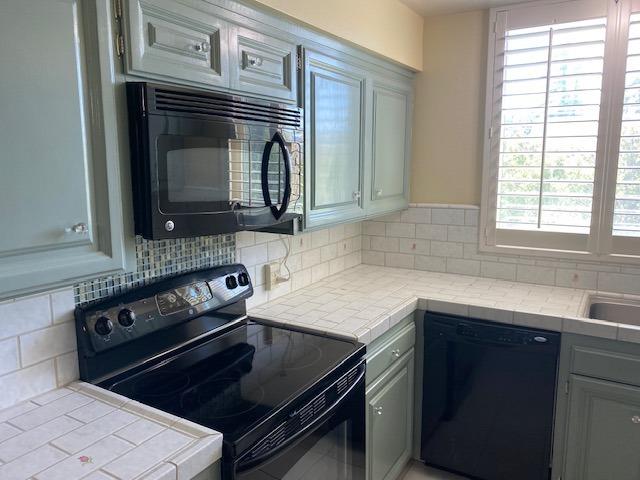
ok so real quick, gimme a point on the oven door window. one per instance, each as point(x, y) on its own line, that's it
point(332, 451)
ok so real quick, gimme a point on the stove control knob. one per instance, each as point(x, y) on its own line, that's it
point(243, 279)
point(103, 326)
point(231, 282)
point(126, 317)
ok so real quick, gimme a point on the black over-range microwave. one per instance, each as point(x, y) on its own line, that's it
point(206, 163)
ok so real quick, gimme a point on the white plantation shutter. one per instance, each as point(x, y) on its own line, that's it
point(626, 218)
point(551, 89)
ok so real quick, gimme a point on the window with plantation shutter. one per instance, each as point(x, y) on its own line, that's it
point(626, 218)
point(562, 152)
point(549, 128)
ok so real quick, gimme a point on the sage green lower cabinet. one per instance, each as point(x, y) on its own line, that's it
point(61, 188)
point(389, 398)
point(388, 177)
point(603, 441)
point(334, 140)
point(597, 432)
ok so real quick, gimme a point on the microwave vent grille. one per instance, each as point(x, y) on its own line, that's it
point(216, 105)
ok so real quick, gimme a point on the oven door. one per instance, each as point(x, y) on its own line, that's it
point(332, 447)
point(216, 176)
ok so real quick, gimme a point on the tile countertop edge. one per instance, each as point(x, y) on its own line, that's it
point(569, 322)
point(193, 447)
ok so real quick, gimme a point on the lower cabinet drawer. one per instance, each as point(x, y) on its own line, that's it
point(386, 354)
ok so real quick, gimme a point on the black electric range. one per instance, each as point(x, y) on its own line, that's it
point(290, 404)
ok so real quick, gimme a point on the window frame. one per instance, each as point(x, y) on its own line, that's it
point(599, 244)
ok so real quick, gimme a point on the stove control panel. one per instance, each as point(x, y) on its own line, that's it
point(161, 305)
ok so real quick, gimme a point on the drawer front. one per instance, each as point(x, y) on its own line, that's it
point(615, 366)
point(262, 65)
point(171, 40)
point(389, 352)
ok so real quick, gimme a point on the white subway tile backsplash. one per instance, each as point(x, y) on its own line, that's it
point(399, 260)
point(416, 215)
point(416, 246)
point(27, 383)
point(446, 249)
point(62, 305)
point(576, 279)
point(502, 271)
point(539, 275)
point(464, 234)
point(432, 232)
point(463, 267)
point(406, 230)
point(423, 262)
point(375, 228)
point(385, 244)
point(447, 216)
point(619, 282)
point(24, 315)
point(47, 343)
point(9, 360)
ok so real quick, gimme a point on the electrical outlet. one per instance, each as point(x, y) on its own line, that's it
point(271, 272)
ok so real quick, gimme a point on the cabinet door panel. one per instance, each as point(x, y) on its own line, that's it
point(603, 431)
point(389, 422)
point(172, 40)
point(390, 148)
point(334, 126)
point(262, 64)
point(61, 211)
point(43, 172)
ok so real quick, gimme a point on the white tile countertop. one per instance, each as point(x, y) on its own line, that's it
point(365, 301)
point(83, 431)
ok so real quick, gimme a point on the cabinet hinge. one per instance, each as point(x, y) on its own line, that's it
point(566, 387)
point(119, 45)
point(117, 9)
point(490, 132)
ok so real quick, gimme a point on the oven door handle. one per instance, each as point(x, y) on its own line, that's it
point(243, 466)
point(286, 197)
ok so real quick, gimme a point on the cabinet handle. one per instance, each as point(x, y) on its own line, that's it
point(356, 195)
point(202, 47)
point(635, 419)
point(79, 228)
point(378, 410)
point(378, 193)
point(254, 61)
point(395, 353)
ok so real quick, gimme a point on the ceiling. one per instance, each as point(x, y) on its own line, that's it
point(438, 7)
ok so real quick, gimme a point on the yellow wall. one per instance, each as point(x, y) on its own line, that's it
point(449, 110)
point(387, 27)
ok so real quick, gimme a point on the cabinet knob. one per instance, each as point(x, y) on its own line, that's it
point(79, 228)
point(378, 410)
point(356, 195)
point(254, 61)
point(635, 419)
point(395, 353)
point(202, 47)
point(378, 192)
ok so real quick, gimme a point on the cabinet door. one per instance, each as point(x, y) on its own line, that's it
point(262, 64)
point(389, 421)
point(334, 129)
point(170, 40)
point(388, 177)
point(60, 208)
point(603, 438)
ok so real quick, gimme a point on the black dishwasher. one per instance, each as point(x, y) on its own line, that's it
point(488, 398)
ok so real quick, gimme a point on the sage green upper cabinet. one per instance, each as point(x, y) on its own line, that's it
point(388, 177)
point(174, 41)
point(262, 64)
point(334, 140)
point(61, 207)
point(603, 431)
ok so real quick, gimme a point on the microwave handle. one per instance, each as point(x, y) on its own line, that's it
point(277, 212)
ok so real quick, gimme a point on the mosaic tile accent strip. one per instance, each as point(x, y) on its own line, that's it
point(156, 259)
